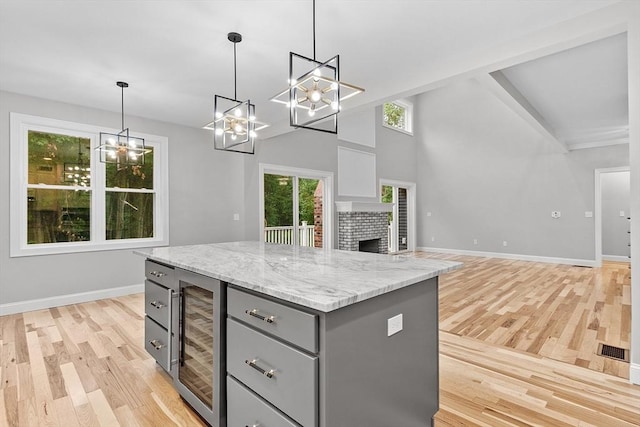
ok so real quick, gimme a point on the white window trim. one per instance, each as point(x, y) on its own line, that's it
point(327, 203)
point(20, 124)
point(408, 120)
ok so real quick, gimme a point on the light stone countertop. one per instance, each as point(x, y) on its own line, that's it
point(321, 279)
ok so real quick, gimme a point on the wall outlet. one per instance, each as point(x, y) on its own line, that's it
point(475, 241)
point(394, 325)
point(588, 214)
point(555, 214)
point(236, 217)
point(504, 243)
point(622, 213)
point(428, 213)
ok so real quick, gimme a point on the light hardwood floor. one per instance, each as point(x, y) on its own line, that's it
point(561, 312)
point(85, 365)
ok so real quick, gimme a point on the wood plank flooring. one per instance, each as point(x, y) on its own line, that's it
point(85, 364)
point(561, 312)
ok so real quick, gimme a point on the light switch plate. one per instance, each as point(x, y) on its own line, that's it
point(394, 325)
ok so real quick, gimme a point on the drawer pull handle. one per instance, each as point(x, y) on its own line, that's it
point(156, 344)
point(254, 313)
point(157, 273)
point(252, 363)
point(157, 304)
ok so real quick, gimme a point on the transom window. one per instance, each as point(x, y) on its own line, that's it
point(398, 115)
point(63, 199)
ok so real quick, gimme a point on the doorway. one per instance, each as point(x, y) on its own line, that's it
point(402, 216)
point(612, 219)
point(295, 206)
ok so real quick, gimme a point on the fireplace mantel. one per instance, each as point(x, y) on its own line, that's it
point(354, 206)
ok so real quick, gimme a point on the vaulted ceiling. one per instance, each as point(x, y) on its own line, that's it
point(176, 56)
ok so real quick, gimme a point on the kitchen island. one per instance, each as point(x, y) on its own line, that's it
point(311, 337)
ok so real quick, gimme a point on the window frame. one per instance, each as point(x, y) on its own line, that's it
point(408, 116)
point(20, 125)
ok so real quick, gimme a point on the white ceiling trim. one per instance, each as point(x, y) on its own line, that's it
point(498, 85)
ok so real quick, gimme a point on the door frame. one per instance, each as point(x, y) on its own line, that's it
point(411, 208)
point(597, 217)
point(327, 202)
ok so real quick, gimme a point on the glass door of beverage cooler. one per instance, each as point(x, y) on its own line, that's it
point(200, 370)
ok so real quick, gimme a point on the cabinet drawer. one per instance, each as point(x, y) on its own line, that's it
point(157, 303)
point(245, 408)
point(157, 342)
point(292, 385)
point(159, 273)
point(297, 327)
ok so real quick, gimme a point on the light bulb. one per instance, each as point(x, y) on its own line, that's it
point(237, 112)
point(69, 176)
point(253, 134)
point(133, 155)
point(237, 128)
point(132, 143)
point(315, 96)
point(312, 113)
point(292, 81)
point(317, 72)
point(233, 136)
point(219, 131)
point(111, 141)
point(112, 154)
point(335, 105)
point(218, 115)
point(70, 168)
point(252, 118)
point(334, 86)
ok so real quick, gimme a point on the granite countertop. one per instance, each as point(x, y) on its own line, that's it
point(322, 279)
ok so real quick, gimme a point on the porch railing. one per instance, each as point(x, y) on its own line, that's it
point(284, 235)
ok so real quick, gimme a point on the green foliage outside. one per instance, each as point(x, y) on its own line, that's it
point(278, 200)
point(393, 115)
point(387, 197)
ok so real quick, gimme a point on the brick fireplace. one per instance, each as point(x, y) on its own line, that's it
point(363, 224)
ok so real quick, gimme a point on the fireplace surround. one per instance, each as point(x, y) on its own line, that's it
point(360, 221)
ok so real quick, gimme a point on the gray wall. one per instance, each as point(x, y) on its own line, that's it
point(484, 174)
point(616, 195)
point(205, 190)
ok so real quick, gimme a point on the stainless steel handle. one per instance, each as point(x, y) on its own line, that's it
point(252, 363)
point(157, 304)
point(157, 273)
point(254, 313)
point(156, 344)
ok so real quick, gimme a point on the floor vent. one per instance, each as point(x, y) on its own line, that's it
point(612, 352)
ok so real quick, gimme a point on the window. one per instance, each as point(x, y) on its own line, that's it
point(293, 204)
point(398, 115)
point(63, 199)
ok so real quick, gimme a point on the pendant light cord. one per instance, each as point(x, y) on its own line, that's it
point(235, 74)
point(314, 30)
point(122, 104)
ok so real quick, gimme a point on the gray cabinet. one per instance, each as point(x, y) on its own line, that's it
point(160, 289)
point(362, 374)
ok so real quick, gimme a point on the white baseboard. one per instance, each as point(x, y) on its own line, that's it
point(634, 374)
point(616, 258)
point(534, 258)
point(57, 301)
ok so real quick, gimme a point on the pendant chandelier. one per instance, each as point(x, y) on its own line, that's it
point(234, 125)
point(121, 148)
point(315, 90)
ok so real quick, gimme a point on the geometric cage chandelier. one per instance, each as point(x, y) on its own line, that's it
point(234, 125)
point(315, 91)
point(121, 148)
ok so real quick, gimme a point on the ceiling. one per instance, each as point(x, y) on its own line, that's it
point(581, 93)
point(175, 54)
